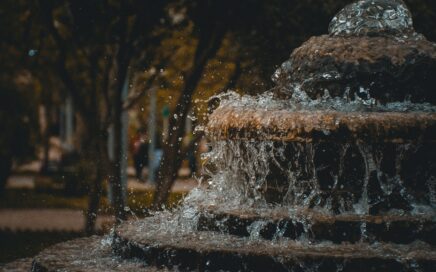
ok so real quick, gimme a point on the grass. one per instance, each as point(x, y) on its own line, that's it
point(26, 199)
point(137, 201)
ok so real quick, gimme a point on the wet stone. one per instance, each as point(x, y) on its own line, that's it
point(372, 51)
point(373, 17)
point(85, 254)
point(320, 227)
point(337, 176)
point(20, 265)
point(384, 68)
point(292, 125)
point(214, 251)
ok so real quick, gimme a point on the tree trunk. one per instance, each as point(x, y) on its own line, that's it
point(98, 157)
point(115, 180)
point(46, 133)
point(5, 171)
point(207, 47)
point(122, 61)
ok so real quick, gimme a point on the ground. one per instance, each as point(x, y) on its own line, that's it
point(32, 217)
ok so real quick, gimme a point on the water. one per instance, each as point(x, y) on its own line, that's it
point(297, 177)
point(300, 101)
point(373, 17)
point(257, 174)
point(356, 177)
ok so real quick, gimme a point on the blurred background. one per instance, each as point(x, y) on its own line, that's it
point(100, 100)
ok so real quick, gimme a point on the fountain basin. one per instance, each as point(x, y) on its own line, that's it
point(333, 159)
point(391, 68)
point(227, 123)
point(85, 254)
point(214, 251)
point(317, 227)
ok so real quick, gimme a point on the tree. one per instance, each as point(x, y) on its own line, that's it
point(95, 43)
point(18, 91)
point(211, 20)
point(19, 128)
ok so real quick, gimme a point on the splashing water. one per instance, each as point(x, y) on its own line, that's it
point(375, 17)
point(300, 101)
point(331, 178)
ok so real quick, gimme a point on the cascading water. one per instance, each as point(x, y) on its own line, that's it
point(308, 169)
point(332, 170)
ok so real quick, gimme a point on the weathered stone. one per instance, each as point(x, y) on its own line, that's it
point(336, 148)
point(373, 18)
point(85, 254)
point(206, 251)
point(307, 126)
point(386, 68)
point(400, 229)
point(20, 265)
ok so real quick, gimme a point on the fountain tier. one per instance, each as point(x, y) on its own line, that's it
point(217, 251)
point(353, 162)
point(244, 123)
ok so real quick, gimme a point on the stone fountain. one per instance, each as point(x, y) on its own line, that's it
point(333, 170)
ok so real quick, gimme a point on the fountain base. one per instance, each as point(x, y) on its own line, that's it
point(399, 229)
point(85, 254)
point(215, 251)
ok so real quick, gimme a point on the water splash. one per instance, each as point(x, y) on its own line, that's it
point(373, 17)
point(300, 101)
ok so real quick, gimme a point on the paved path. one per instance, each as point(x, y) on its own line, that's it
point(47, 220)
point(180, 186)
point(65, 219)
point(25, 181)
point(21, 182)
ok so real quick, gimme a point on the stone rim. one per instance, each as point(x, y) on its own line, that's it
point(84, 254)
point(307, 126)
point(202, 251)
point(401, 229)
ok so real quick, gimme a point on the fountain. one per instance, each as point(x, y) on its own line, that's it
point(332, 170)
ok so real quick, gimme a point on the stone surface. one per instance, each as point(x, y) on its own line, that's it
point(85, 254)
point(206, 251)
point(385, 158)
point(386, 68)
point(20, 265)
point(373, 17)
point(372, 50)
point(307, 126)
point(317, 227)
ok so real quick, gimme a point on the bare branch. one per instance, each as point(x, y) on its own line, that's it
point(233, 80)
point(134, 98)
point(47, 16)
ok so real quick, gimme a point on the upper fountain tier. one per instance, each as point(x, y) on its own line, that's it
point(230, 122)
point(372, 50)
point(373, 18)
